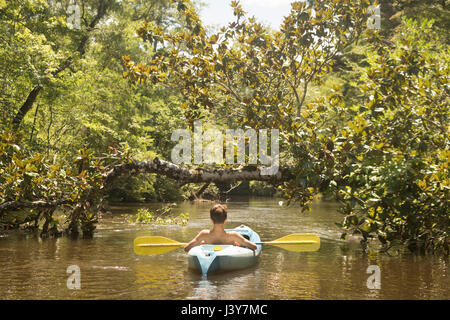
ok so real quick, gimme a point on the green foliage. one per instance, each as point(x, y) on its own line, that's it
point(26, 175)
point(379, 150)
point(258, 188)
point(145, 189)
point(161, 216)
point(29, 177)
point(393, 11)
point(87, 105)
point(393, 154)
point(257, 76)
point(378, 142)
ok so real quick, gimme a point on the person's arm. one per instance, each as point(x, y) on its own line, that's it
point(244, 242)
point(195, 242)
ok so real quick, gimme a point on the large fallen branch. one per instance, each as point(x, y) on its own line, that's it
point(180, 174)
point(184, 175)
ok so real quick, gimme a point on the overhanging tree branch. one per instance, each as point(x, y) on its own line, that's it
point(185, 175)
point(16, 205)
point(161, 167)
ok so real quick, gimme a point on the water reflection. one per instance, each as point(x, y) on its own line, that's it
point(204, 290)
point(240, 284)
point(155, 280)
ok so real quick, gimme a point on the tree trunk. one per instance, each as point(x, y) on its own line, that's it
point(28, 104)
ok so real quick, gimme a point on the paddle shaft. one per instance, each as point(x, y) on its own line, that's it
point(161, 244)
point(182, 244)
point(293, 242)
point(287, 242)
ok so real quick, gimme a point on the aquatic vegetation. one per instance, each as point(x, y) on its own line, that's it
point(162, 216)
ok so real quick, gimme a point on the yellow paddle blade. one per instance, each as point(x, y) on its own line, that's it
point(155, 245)
point(297, 242)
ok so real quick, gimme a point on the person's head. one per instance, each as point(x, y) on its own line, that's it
point(218, 213)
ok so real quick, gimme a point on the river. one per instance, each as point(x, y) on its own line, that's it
point(32, 268)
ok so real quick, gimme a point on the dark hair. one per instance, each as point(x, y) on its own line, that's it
point(218, 213)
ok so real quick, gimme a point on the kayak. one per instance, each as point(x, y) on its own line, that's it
point(212, 258)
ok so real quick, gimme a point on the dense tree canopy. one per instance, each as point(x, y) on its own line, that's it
point(363, 115)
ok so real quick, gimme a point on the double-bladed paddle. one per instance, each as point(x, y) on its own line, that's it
point(294, 242)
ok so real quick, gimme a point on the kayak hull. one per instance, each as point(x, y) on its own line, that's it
point(210, 258)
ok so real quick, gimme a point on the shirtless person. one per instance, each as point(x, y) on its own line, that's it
point(218, 235)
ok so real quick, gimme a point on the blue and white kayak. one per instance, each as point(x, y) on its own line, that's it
point(210, 258)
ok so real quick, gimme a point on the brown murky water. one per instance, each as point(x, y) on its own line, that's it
point(32, 268)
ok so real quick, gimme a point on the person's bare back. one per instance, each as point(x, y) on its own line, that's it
point(218, 235)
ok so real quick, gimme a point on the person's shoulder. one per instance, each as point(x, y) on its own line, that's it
point(234, 234)
point(204, 232)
